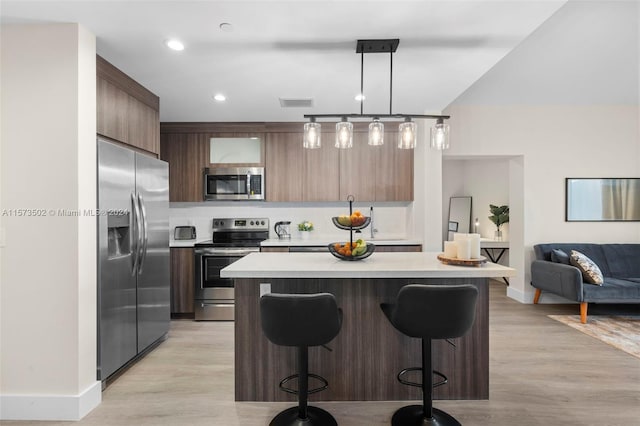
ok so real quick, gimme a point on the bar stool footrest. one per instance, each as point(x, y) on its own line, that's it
point(325, 384)
point(419, 385)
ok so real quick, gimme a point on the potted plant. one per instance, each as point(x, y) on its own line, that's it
point(305, 227)
point(499, 216)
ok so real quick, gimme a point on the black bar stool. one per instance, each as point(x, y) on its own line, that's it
point(301, 320)
point(430, 312)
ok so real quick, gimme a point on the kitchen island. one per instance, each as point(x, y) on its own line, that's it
point(368, 352)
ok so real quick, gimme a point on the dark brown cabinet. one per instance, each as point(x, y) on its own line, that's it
point(182, 284)
point(186, 148)
point(126, 111)
point(393, 171)
point(284, 167)
point(321, 175)
point(186, 154)
point(292, 173)
point(358, 169)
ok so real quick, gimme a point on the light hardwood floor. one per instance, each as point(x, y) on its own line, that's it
point(541, 373)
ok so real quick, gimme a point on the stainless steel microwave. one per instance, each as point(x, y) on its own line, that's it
point(234, 183)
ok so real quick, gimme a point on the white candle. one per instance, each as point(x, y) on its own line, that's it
point(475, 246)
point(464, 248)
point(450, 249)
point(457, 236)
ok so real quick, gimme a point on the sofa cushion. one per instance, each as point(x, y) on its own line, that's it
point(635, 280)
point(593, 251)
point(613, 290)
point(590, 271)
point(560, 256)
point(623, 259)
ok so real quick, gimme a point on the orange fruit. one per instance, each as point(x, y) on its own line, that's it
point(347, 252)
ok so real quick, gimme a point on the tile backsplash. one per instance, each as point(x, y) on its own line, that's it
point(392, 220)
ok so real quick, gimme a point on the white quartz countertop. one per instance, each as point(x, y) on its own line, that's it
point(378, 265)
point(315, 242)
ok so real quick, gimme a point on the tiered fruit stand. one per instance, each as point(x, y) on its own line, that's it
point(367, 220)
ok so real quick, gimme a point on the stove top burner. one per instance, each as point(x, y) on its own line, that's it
point(237, 232)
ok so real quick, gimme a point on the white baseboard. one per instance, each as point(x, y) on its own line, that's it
point(518, 295)
point(50, 407)
point(545, 298)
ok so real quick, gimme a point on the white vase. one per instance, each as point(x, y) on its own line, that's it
point(305, 235)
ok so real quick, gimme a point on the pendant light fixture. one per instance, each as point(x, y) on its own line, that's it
point(312, 135)
point(440, 135)
point(376, 132)
point(407, 131)
point(344, 134)
point(407, 134)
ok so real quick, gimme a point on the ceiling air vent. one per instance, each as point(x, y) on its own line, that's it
point(296, 102)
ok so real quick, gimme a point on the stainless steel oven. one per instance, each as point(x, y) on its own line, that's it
point(232, 239)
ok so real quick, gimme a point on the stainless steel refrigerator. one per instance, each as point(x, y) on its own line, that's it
point(133, 255)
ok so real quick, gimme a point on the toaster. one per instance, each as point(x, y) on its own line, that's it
point(184, 233)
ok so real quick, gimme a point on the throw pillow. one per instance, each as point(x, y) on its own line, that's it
point(559, 256)
point(590, 271)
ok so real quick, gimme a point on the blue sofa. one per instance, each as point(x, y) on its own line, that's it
point(619, 263)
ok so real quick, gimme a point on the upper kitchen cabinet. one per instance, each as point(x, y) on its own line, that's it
point(321, 174)
point(236, 150)
point(292, 173)
point(376, 173)
point(284, 167)
point(187, 155)
point(297, 174)
point(126, 111)
point(187, 147)
point(358, 169)
point(393, 171)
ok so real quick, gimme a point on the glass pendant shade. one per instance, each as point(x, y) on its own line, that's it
point(344, 134)
point(440, 135)
point(376, 132)
point(311, 135)
point(407, 134)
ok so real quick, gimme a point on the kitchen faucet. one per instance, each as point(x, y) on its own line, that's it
point(373, 230)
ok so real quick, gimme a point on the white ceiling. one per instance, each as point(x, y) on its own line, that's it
point(296, 49)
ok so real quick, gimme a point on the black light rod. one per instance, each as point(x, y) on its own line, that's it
point(362, 82)
point(390, 80)
point(376, 115)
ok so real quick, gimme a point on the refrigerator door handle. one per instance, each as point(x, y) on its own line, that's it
point(144, 237)
point(135, 232)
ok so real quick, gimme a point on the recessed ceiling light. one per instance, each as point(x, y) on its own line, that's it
point(174, 44)
point(220, 97)
point(360, 97)
point(226, 27)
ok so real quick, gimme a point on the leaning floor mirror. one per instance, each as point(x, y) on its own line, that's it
point(459, 216)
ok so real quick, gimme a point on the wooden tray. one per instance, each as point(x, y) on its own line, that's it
point(461, 262)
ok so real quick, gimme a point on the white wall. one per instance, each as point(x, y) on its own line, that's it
point(48, 281)
point(486, 180)
point(564, 104)
point(389, 218)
